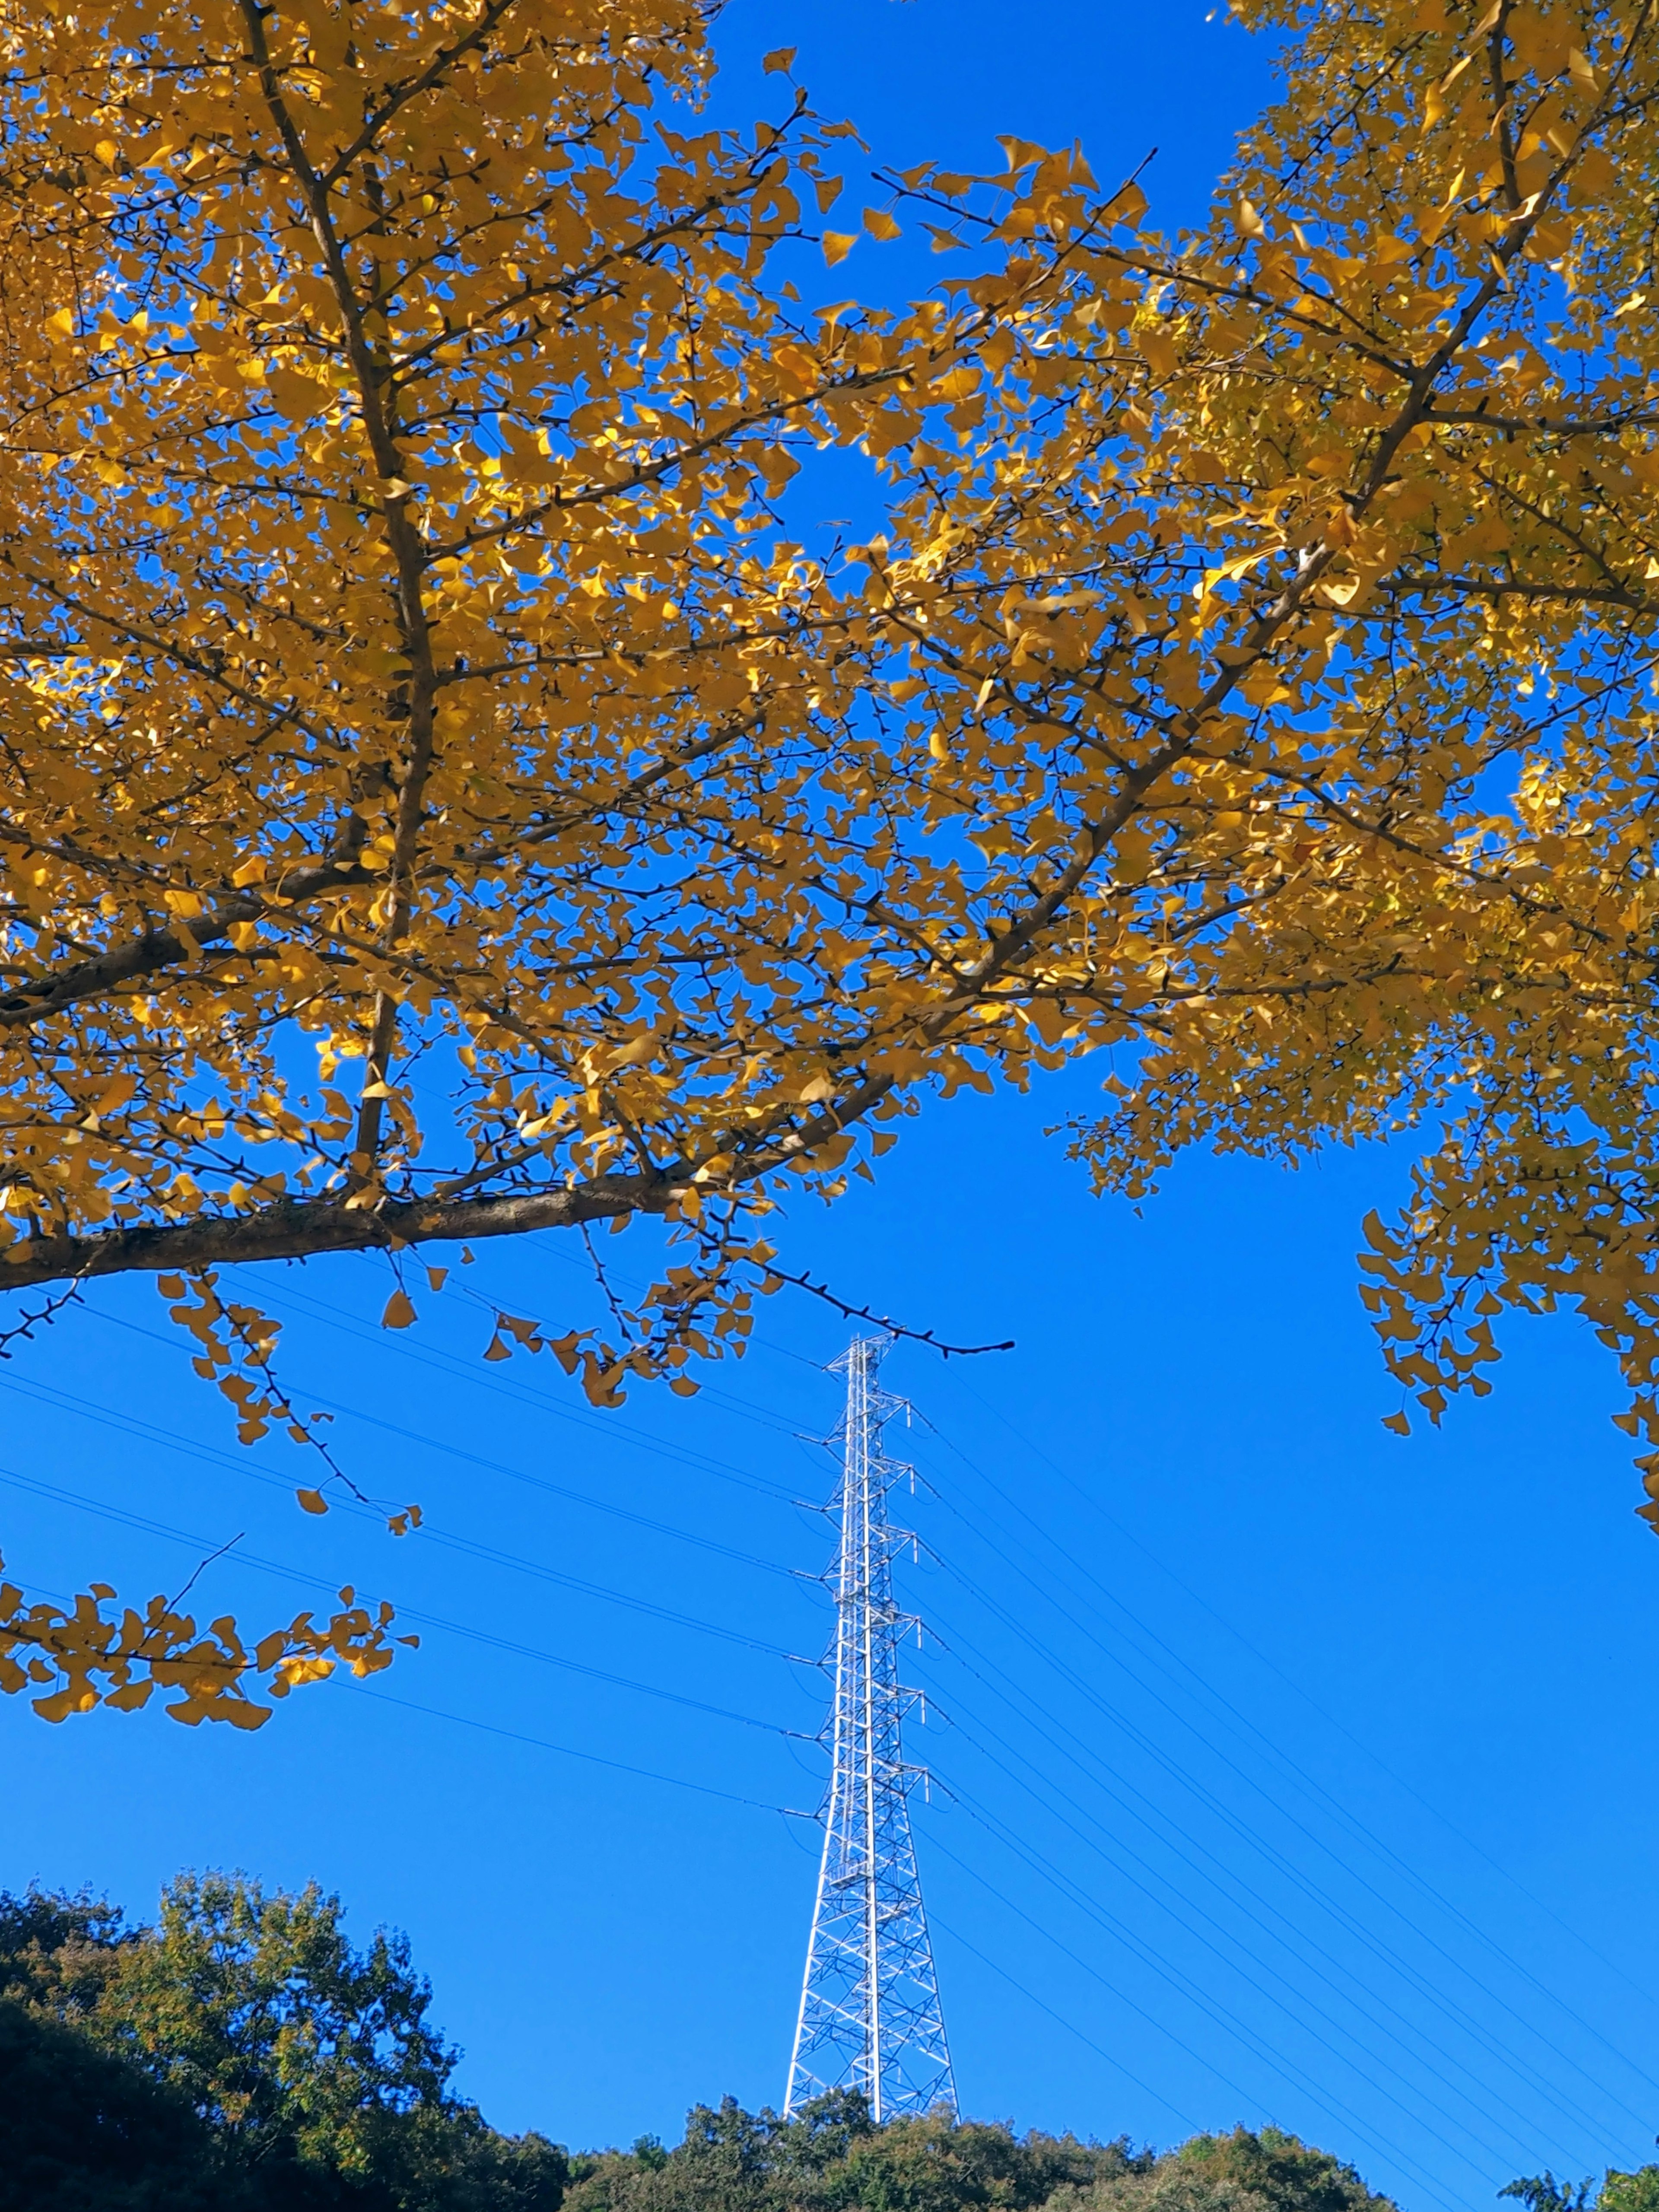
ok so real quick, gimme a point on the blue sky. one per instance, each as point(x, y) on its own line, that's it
point(1289, 1771)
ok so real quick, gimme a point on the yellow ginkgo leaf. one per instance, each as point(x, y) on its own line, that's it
point(630, 852)
point(298, 397)
point(313, 1500)
point(399, 1310)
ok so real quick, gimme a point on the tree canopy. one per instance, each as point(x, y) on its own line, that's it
point(243, 2056)
point(240, 2055)
point(446, 791)
point(831, 2158)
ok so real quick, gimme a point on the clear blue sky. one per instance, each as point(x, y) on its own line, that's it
point(1299, 1773)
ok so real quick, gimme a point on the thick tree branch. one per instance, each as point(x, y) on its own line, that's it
point(294, 1228)
point(125, 965)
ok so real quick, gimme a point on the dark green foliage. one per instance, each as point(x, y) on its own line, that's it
point(1619, 2192)
point(83, 2131)
point(243, 2056)
point(294, 2073)
point(59, 1952)
point(1542, 2193)
point(1242, 2172)
point(833, 2160)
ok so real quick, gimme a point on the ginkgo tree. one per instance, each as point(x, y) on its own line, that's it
point(447, 794)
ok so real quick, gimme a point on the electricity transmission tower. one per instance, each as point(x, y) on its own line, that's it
point(870, 2016)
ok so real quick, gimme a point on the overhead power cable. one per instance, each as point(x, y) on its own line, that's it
point(313, 1581)
point(1310, 1886)
point(1297, 2006)
point(568, 1750)
point(1275, 2062)
point(705, 1464)
point(429, 1533)
point(544, 1401)
point(1313, 1789)
point(1070, 2025)
point(1312, 1889)
point(454, 1451)
point(1196, 1993)
point(1337, 1810)
point(1414, 2049)
point(1332, 1720)
point(1364, 1836)
point(548, 1243)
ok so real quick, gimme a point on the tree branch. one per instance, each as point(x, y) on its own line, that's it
point(294, 1228)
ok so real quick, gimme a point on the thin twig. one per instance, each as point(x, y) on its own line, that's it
point(173, 1603)
point(48, 1313)
point(775, 1275)
point(618, 1312)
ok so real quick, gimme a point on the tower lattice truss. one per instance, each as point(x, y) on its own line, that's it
point(869, 2015)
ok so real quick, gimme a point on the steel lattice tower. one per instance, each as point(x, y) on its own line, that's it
point(870, 2016)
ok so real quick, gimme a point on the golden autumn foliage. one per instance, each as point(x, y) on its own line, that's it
point(442, 797)
point(1441, 896)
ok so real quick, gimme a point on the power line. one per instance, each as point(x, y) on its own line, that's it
point(485, 1304)
point(403, 1612)
point(568, 1750)
point(836, 2012)
point(704, 1464)
point(1313, 1889)
point(1410, 1873)
point(1298, 1997)
point(1367, 1836)
point(1358, 1829)
point(1331, 1720)
point(1324, 2096)
point(430, 1532)
point(411, 1435)
point(1308, 1888)
point(149, 1526)
point(1188, 1903)
point(435, 1357)
point(1070, 2025)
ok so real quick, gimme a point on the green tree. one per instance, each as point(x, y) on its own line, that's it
point(832, 2158)
point(308, 2067)
point(1631, 2192)
point(829, 2157)
point(85, 2130)
point(1542, 2193)
point(293, 2045)
point(1242, 2172)
point(931, 2163)
point(243, 2056)
point(1619, 2192)
point(58, 1952)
